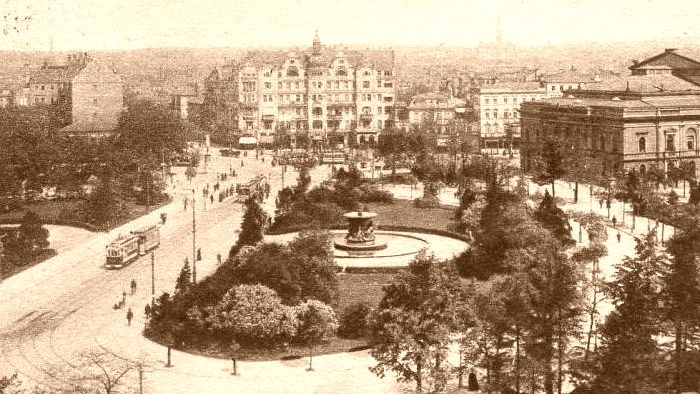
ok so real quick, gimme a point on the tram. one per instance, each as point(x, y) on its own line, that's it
point(333, 158)
point(127, 248)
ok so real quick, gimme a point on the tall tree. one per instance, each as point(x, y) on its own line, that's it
point(410, 329)
point(184, 280)
point(682, 303)
point(252, 227)
point(552, 155)
point(554, 219)
point(628, 358)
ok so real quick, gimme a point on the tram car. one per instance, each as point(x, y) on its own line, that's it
point(127, 248)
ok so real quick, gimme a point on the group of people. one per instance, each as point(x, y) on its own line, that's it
point(121, 302)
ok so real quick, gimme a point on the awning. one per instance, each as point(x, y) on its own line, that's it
point(267, 139)
point(268, 117)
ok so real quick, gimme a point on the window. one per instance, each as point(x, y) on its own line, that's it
point(42, 100)
point(670, 142)
point(505, 100)
point(94, 86)
point(289, 85)
point(487, 114)
point(379, 110)
point(642, 144)
point(279, 85)
point(36, 100)
point(554, 88)
point(268, 85)
point(379, 124)
point(379, 97)
point(690, 139)
point(365, 84)
point(486, 101)
point(317, 111)
point(298, 98)
point(292, 71)
point(345, 85)
point(341, 72)
point(296, 85)
point(347, 97)
point(42, 87)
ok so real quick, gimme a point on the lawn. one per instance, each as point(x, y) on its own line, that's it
point(67, 212)
point(403, 213)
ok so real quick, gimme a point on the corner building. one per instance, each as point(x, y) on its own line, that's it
point(326, 94)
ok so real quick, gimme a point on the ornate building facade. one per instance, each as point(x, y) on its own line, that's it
point(327, 95)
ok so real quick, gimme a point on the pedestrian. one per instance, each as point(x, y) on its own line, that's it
point(211, 198)
point(199, 254)
point(147, 311)
point(118, 304)
point(129, 316)
point(133, 286)
point(123, 297)
point(185, 202)
point(241, 163)
point(618, 237)
point(614, 221)
point(600, 202)
point(163, 217)
point(218, 258)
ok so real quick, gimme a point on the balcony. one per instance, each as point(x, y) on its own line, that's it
point(366, 117)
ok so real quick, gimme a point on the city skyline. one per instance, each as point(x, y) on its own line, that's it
point(135, 24)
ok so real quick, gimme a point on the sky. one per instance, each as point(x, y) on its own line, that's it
point(130, 24)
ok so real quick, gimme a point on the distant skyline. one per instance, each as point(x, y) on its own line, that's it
point(131, 24)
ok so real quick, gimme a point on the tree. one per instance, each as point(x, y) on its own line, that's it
point(32, 234)
point(252, 226)
point(317, 323)
point(104, 204)
point(628, 358)
point(681, 298)
point(410, 329)
point(184, 280)
point(552, 166)
point(311, 255)
point(554, 219)
point(254, 314)
point(353, 323)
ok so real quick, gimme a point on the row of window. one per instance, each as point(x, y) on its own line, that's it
point(298, 98)
point(506, 114)
point(337, 85)
point(513, 100)
point(670, 142)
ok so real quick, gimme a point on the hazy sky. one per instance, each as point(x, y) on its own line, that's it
point(127, 24)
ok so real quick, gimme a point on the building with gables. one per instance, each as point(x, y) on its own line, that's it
point(326, 94)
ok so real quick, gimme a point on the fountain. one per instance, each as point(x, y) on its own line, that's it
point(360, 236)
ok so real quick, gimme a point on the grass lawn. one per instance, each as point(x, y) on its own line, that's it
point(353, 288)
point(403, 213)
point(67, 212)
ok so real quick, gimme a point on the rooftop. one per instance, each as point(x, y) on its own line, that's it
point(644, 84)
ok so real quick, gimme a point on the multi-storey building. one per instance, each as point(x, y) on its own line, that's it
point(86, 95)
point(497, 106)
point(557, 84)
point(324, 94)
point(634, 122)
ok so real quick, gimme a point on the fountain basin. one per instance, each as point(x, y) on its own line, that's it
point(386, 244)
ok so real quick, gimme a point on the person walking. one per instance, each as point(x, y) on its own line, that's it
point(147, 311)
point(218, 258)
point(614, 221)
point(211, 198)
point(133, 286)
point(185, 202)
point(600, 202)
point(124, 297)
point(199, 254)
point(129, 316)
point(618, 237)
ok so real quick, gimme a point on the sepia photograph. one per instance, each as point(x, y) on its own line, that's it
point(349, 197)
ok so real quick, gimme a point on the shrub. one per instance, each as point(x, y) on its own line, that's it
point(317, 322)
point(254, 314)
point(353, 323)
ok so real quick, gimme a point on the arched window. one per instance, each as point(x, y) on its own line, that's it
point(317, 125)
point(690, 139)
point(366, 111)
point(341, 72)
point(642, 169)
point(642, 144)
point(292, 71)
point(670, 142)
point(318, 111)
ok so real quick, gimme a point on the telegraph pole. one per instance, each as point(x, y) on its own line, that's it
point(153, 278)
point(194, 242)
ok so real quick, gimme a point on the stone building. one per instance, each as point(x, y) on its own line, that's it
point(85, 94)
point(636, 122)
point(497, 107)
point(325, 94)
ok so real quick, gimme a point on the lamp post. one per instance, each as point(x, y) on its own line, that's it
point(194, 241)
point(153, 279)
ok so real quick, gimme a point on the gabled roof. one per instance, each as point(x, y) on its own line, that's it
point(668, 58)
point(374, 58)
point(644, 84)
point(53, 75)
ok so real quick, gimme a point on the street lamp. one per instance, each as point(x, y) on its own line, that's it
point(194, 241)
